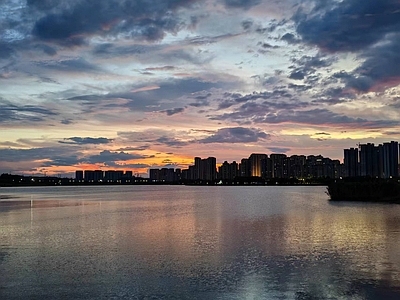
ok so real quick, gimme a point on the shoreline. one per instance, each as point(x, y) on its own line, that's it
point(369, 190)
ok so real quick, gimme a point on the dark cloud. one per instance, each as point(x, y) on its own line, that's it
point(236, 135)
point(247, 24)
point(142, 98)
point(201, 100)
point(378, 71)
point(109, 158)
point(19, 155)
point(235, 98)
point(290, 38)
point(5, 51)
point(173, 111)
point(70, 65)
point(86, 141)
point(171, 142)
point(48, 156)
point(69, 160)
point(268, 46)
point(146, 19)
point(23, 113)
point(299, 87)
point(51, 51)
point(348, 25)
point(320, 117)
point(43, 4)
point(297, 75)
point(294, 112)
point(246, 4)
point(110, 50)
point(306, 68)
point(278, 149)
point(154, 137)
point(381, 66)
point(163, 68)
point(66, 122)
point(141, 148)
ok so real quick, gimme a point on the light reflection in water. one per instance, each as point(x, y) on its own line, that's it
point(198, 243)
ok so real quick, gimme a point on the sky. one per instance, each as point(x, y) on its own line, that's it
point(139, 84)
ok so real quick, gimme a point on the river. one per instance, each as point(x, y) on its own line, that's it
point(195, 242)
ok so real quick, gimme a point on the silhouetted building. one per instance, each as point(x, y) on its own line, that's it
point(163, 175)
point(351, 164)
point(228, 171)
point(93, 176)
point(79, 175)
point(244, 168)
point(209, 169)
point(296, 165)
point(256, 161)
point(369, 160)
point(279, 166)
point(113, 176)
point(390, 159)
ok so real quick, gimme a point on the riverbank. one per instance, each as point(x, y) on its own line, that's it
point(371, 190)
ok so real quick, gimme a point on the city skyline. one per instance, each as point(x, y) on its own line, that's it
point(143, 84)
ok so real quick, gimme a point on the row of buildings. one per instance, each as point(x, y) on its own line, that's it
point(378, 161)
point(256, 165)
point(103, 176)
point(381, 161)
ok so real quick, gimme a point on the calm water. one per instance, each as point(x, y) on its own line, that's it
point(178, 242)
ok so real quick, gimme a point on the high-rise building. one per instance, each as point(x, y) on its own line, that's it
point(113, 176)
point(369, 160)
point(390, 159)
point(198, 168)
point(93, 176)
point(244, 168)
point(228, 171)
point(255, 161)
point(279, 166)
point(351, 164)
point(209, 168)
point(296, 166)
point(79, 175)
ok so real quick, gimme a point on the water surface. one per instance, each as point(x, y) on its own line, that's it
point(180, 242)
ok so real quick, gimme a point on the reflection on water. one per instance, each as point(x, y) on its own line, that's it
point(161, 242)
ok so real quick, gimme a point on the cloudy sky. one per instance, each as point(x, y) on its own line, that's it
point(133, 84)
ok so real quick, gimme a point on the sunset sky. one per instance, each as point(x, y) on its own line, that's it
point(134, 84)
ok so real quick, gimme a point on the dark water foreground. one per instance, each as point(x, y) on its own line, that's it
point(161, 242)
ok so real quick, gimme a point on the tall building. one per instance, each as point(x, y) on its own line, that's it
point(165, 175)
point(79, 175)
point(209, 168)
point(228, 171)
point(279, 167)
point(244, 168)
point(369, 160)
point(197, 168)
point(390, 159)
point(351, 163)
point(93, 176)
point(256, 162)
point(113, 176)
point(296, 166)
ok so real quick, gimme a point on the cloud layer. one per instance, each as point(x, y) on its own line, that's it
point(133, 84)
